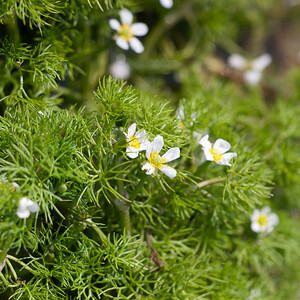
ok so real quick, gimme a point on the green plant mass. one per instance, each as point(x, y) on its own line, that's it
point(149, 149)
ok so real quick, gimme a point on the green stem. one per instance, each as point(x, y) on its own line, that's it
point(139, 186)
point(4, 250)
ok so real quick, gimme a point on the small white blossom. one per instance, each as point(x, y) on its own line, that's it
point(26, 206)
point(136, 141)
point(120, 69)
point(126, 32)
point(166, 3)
point(155, 161)
point(263, 220)
point(252, 69)
point(14, 185)
point(217, 151)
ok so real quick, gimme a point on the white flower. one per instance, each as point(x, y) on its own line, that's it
point(120, 69)
point(181, 117)
point(14, 185)
point(155, 161)
point(217, 151)
point(263, 220)
point(126, 32)
point(136, 141)
point(253, 69)
point(26, 206)
point(166, 3)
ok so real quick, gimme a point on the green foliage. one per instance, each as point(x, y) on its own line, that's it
point(106, 229)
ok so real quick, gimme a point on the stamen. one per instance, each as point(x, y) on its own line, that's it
point(216, 154)
point(134, 142)
point(156, 160)
point(262, 220)
point(126, 32)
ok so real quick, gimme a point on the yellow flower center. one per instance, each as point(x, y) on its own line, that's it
point(181, 125)
point(216, 154)
point(156, 160)
point(262, 220)
point(134, 142)
point(126, 32)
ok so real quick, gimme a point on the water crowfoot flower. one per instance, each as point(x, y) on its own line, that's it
point(155, 161)
point(166, 3)
point(26, 206)
point(126, 32)
point(252, 70)
point(217, 151)
point(120, 69)
point(136, 141)
point(263, 220)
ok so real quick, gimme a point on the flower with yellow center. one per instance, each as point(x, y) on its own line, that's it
point(217, 151)
point(127, 32)
point(263, 220)
point(155, 161)
point(252, 69)
point(136, 141)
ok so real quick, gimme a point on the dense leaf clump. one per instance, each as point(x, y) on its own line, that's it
point(107, 230)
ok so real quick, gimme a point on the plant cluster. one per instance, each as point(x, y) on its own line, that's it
point(127, 190)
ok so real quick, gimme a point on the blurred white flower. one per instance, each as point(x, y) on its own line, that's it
point(136, 141)
point(166, 3)
point(182, 119)
point(217, 151)
point(155, 161)
point(126, 31)
point(263, 220)
point(26, 206)
point(14, 185)
point(120, 69)
point(254, 294)
point(252, 69)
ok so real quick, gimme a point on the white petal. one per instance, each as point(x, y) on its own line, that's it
point(157, 143)
point(226, 158)
point(122, 43)
point(114, 24)
point(33, 207)
point(255, 215)
point(256, 227)
point(142, 137)
point(172, 154)
point(166, 3)
point(143, 140)
point(208, 154)
point(131, 130)
point(180, 113)
point(237, 61)
point(139, 29)
point(23, 214)
point(261, 62)
point(120, 70)
point(126, 16)
point(273, 219)
point(150, 169)
point(132, 152)
point(15, 185)
point(252, 77)
point(149, 147)
point(205, 142)
point(23, 202)
point(136, 45)
point(266, 210)
point(221, 145)
point(168, 171)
